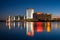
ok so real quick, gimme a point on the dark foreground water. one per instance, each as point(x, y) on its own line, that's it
point(30, 31)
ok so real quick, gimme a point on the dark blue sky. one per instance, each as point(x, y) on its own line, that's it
point(18, 7)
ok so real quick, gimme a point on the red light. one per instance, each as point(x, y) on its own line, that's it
point(29, 34)
point(39, 27)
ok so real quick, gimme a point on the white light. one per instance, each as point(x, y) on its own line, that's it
point(14, 18)
point(29, 13)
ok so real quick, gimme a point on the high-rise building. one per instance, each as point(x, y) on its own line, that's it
point(29, 13)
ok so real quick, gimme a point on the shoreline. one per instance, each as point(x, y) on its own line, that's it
point(32, 21)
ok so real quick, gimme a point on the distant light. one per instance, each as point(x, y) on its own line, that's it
point(39, 12)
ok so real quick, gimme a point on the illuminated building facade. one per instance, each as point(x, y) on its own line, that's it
point(38, 15)
point(29, 13)
point(47, 16)
point(19, 18)
point(9, 19)
point(41, 16)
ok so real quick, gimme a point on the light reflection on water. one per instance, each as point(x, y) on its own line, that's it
point(36, 30)
point(31, 26)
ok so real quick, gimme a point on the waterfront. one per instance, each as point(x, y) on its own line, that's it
point(30, 31)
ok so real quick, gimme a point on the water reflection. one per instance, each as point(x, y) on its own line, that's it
point(55, 25)
point(39, 27)
point(18, 24)
point(48, 26)
point(14, 24)
point(9, 25)
point(31, 27)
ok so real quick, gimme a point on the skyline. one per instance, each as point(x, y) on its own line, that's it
point(18, 7)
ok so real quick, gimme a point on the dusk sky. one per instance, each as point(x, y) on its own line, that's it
point(18, 7)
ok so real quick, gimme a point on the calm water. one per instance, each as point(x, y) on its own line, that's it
point(30, 31)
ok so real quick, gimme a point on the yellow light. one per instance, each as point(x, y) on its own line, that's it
point(48, 27)
point(18, 24)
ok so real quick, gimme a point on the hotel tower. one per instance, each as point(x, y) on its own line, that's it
point(29, 13)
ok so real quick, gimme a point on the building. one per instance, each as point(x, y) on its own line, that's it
point(47, 16)
point(19, 18)
point(9, 19)
point(38, 15)
point(41, 16)
point(29, 13)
